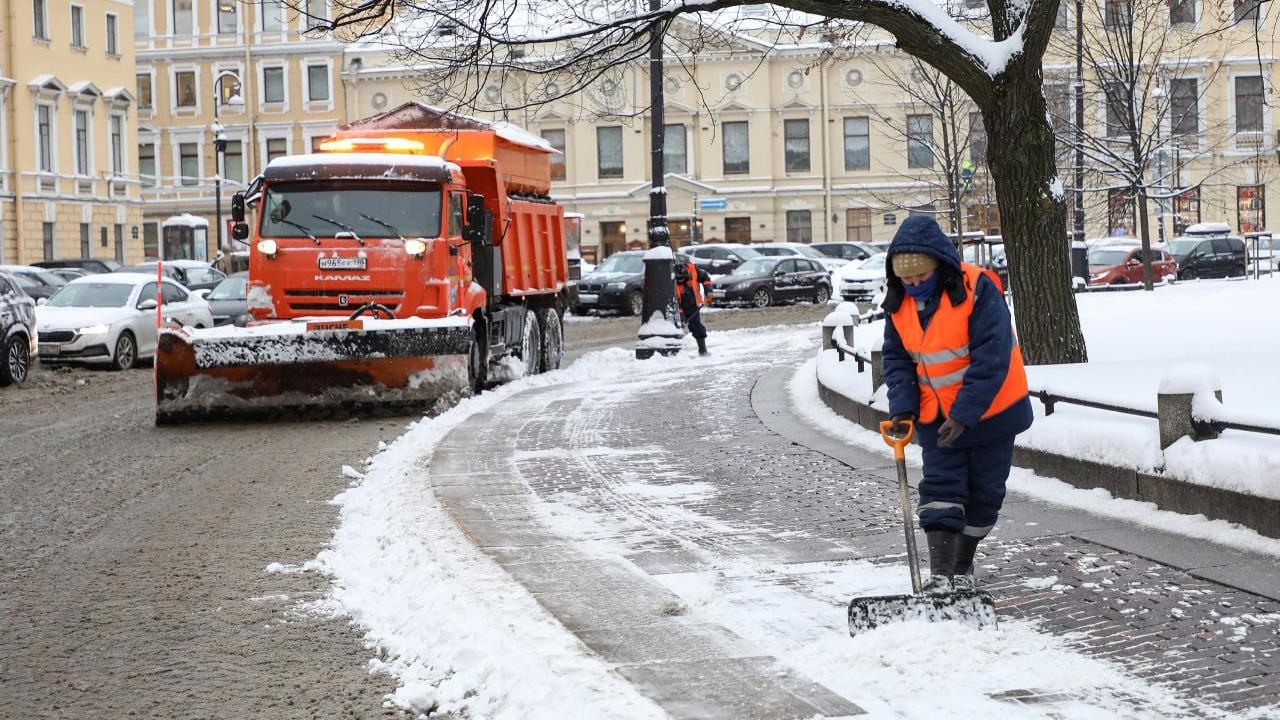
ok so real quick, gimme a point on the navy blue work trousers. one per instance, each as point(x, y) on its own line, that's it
point(963, 487)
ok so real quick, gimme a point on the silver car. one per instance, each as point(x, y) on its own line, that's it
point(111, 318)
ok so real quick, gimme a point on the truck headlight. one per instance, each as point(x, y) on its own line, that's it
point(616, 286)
point(267, 247)
point(98, 329)
point(416, 248)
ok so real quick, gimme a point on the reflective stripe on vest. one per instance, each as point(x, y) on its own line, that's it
point(941, 352)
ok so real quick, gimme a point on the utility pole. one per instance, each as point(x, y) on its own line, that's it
point(1077, 233)
point(658, 331)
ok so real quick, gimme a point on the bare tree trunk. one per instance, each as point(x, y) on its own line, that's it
point(1033, 218)
point(1144, 233)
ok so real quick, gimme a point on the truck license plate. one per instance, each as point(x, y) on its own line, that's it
point(50, 348)
point(341, 263)
point(588, 299)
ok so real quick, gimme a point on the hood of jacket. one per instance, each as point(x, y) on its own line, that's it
point(921, 234)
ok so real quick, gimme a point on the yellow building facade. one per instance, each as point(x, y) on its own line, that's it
point(69, 182)
point(275, 83)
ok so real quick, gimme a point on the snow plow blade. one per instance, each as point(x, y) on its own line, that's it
point(335, 367)
point(971, 607)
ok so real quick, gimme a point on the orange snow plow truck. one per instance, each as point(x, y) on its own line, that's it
point(391, 269)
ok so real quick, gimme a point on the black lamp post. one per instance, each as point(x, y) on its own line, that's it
point(220, 141)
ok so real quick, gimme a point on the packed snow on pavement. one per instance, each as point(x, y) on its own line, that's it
point(1136, 340)
point(461, 636)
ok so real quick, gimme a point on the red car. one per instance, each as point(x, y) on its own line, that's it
point(1122, 265)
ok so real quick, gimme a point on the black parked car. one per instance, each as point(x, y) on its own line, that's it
point(851, 251)
point(1201, 257)
point(764, 281)
point(17, 330)
point(92, 266)
point(720, 258)
point(37, 282)
point(227, 301)
point(616, 284)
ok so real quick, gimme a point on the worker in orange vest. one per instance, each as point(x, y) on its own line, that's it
point(952, 365)
point(693, 292)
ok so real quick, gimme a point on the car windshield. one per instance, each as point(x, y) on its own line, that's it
point(1182, 247)
point(875, 262)
point(25, 281)
point(1107, 257)
point(233, 288)
point(196, 276)
point(807, 251)
point(298, 211)
point(629, 263)
point(84, 294)
point(775, 251)
point(756, 267)
point(745, 253)
point(112, 265)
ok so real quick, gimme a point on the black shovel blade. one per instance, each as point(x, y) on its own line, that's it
point(971, 607)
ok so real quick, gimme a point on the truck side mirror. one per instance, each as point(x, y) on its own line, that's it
point(237, 208)
point(240, 232)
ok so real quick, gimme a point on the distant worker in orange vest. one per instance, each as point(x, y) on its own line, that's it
point(952, 365)
point(693, 292)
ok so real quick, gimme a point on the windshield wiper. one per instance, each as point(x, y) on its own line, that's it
point(383, 223)
point(342, 225)
point(303, 228)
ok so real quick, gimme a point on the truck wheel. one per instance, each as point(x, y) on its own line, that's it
point(531, 344)
point(478, 359)
point(552, 339)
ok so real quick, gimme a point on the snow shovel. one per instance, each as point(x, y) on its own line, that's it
point(972, 607)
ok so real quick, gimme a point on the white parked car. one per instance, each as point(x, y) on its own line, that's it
point(111, 318)
point(864, 281)
point(790, 249)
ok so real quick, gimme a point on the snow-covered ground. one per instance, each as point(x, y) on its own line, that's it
point(463, 636)
point(1135, 341)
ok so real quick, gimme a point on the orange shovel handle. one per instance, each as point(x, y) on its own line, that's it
point(897, 442)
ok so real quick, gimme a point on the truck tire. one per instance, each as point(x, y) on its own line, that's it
point(478, 359)
point(552, 339)
point(531, 344)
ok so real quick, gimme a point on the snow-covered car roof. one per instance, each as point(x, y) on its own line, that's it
point(117, 278)
point(24, 269)
point(1208, 228)
point(363, 166)
point(177, 263)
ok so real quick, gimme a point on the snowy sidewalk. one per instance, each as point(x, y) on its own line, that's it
point(700, 542)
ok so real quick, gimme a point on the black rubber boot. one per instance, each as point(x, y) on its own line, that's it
point(943, 545)
point(965, 549)
point(702, 346)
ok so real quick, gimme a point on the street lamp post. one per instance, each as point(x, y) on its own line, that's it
point(1077, 229)
point(220, 142)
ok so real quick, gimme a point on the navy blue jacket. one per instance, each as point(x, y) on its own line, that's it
point(990, 341)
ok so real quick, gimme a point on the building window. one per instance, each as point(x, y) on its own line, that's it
point(1246, 10)
point(737, 148)
point(1117, 109)
point(977, 139)
point(919, 141)
point(183, 18)
point(1251, 207)
point(857, 143)
point(82, 141)
point(272, 16)
point(189, 163)
point(273, 85)
point(737, 230)
point(277, 147)
point(233, 161)
point(318, 83)
point(555, 138)
point(84, 240)
point(226, 17)
point(857, 225)
point(799, 226)
point(1249, 104)
point(1182, 12)
point(142, 19)
point(151, 240)
point(1119, 13)
point(1121, 214)
point(44, 122)
point(118, 231)
point(795, 134)
point(40, 19)
point(317, 13)
point(117, 144)
point(185, 84)
point(1186, 210)
point(77, 27)
point(113, 37)
point(609, 152)
point(675, 153)
point(47, 232)
point(144, 91)
point(1184, 107)
point(147, 164)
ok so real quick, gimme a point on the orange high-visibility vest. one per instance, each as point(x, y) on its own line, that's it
point(699, 295)
point(941, 352)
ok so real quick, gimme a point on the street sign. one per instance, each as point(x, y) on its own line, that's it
point(713, 204)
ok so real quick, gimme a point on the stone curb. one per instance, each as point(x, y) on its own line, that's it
point(1258, 513)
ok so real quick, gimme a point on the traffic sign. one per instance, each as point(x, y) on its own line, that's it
point(713, 204)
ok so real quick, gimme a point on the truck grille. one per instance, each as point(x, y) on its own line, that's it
point(327, 300)
point(57, 335)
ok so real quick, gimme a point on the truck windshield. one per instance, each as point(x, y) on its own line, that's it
point(289, 211)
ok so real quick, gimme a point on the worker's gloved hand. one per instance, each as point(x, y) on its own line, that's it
point(900, 424)
point(950, 430)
